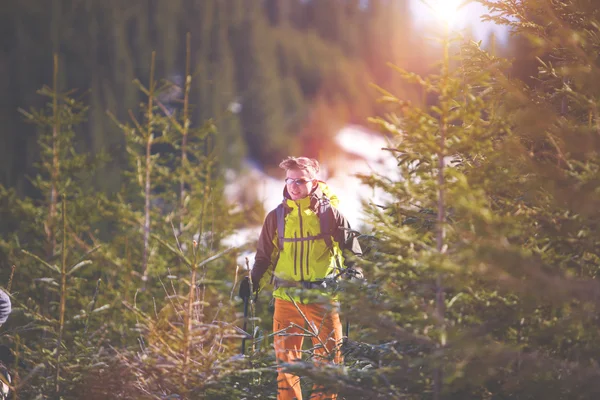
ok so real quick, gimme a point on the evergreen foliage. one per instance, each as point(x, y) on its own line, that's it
point(296, 53)
point(50, 256)
point(515, 265)
point(481, 265)
point(99, 315)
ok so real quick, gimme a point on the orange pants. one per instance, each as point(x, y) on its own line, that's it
point(324, 321)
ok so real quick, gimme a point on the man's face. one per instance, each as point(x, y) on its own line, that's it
point(299, 183)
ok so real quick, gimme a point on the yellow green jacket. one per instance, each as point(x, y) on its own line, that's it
point(305, 256)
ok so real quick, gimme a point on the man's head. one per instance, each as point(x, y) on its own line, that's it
point(300, 176)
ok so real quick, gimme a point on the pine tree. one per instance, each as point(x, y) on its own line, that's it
point(48, 249)
point(185, 335)
point(519, 201)
point(62, 170)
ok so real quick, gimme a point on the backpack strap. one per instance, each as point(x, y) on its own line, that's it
point(328, 227)
point(326, 219)
point(280, 213)
point(280, 216)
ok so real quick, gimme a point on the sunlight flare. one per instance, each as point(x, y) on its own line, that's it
point(445, 10)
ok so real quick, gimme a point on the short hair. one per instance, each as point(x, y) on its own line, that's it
point(304, 163)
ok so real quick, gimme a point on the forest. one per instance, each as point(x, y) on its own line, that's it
point(121, 120)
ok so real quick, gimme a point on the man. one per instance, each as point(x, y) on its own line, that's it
point(300, 246)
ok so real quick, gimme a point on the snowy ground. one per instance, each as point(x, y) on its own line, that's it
point(363, 155)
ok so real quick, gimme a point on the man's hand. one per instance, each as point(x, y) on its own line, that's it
point(245, 289)
point(353, 273)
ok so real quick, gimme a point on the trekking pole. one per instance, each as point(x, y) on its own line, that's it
point(347, 327)
point(245, 292)
point(353, 274)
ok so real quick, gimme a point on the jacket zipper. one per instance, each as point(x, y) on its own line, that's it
point(295, 255)
point(307, 254)
point(301, 242)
